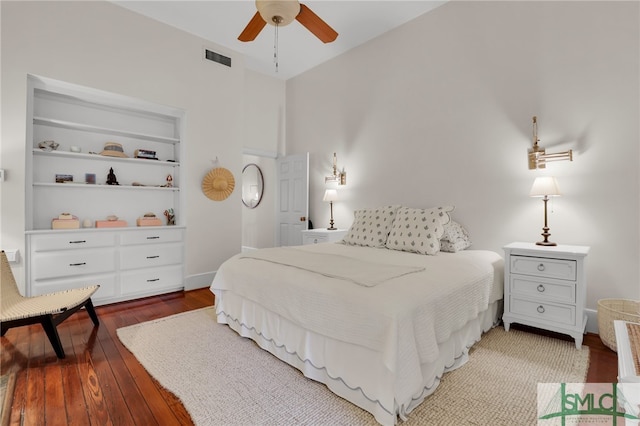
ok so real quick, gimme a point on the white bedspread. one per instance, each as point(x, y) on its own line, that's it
point(403, 318)
point(352, 269)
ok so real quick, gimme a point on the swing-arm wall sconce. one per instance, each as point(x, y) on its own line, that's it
point(338, 177)
point(538, 158)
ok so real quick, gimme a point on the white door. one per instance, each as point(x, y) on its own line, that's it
point(293, 199)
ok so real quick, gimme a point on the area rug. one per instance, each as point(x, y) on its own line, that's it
point(224, 379)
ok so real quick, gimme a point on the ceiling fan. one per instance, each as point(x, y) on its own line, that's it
point(283, 12)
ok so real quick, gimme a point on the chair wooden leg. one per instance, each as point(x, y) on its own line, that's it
point(52, 333)
point(92, 312)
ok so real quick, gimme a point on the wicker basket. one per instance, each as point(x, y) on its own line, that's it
point(615, 309)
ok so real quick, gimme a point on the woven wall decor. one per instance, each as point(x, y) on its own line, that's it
point(218, 184)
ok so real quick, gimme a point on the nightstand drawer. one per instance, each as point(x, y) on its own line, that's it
point(314, 239)
point(542, 311)
point(541, 289)
point(543, 267)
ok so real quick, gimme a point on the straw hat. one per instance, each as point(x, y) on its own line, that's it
point(218, 184)
point(113, 149)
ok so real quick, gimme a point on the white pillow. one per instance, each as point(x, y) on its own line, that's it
point(455, 238)
point(418, 230)
point(371, 226)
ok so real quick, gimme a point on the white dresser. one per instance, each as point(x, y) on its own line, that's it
point(546, 287)
point(321, 235)
point(127, 263)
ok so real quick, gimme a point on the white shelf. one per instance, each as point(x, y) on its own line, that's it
point(98, 157)
point(107, 187)
point(95, 129)
point(128, 262)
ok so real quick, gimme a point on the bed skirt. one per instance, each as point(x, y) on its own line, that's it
point(352, 372)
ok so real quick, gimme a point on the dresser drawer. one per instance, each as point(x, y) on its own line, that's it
point(151, 236)
point(563, 269)
point(541, 289)
point(72, 240)
point(69, 263)
point(146, 256)
point(543, 311)
point(107, 284)
point(151, 280)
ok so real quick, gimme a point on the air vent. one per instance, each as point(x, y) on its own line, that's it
point(216, 57)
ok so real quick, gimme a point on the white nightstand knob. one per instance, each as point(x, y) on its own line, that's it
point(541, 309)
point(541, 267)
point(541, 288)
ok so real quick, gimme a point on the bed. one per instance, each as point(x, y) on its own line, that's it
point(378, 326)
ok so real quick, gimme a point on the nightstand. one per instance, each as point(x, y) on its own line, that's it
point(546, 287)
point(321, 235)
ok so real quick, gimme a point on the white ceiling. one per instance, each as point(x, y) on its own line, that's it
point(356, 22)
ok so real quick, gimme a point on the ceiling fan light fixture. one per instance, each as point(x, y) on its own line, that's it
point(278, 12)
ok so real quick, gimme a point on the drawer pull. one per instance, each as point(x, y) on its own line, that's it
point(152, 257)
point(540, 309)
point(541, 288)
point(78, 242)
point(153, 238)
point(78, 264)
point(541, 267)
point(152, 280)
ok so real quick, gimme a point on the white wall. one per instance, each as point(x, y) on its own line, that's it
point(101, 45)
point(264, 140)
point(439, 111)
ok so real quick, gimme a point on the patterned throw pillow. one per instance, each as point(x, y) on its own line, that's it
point(371, 226)
point(418, 230)
point(455, 238)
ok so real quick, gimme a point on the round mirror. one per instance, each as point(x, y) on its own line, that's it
point(252, 185)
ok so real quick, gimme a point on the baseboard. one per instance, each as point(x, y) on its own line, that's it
point(193, 282)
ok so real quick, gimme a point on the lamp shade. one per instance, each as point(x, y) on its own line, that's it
point(545, 185)
point(330, 195)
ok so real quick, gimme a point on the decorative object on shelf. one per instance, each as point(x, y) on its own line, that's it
point(171, 217)
point(338, 177)
point(87, 223)
point(538, 158)
point(169, 183)
point(112, 222)
point(75, 149)
point(252, 185)
point(48, 145)
point(113, 149)
point(63, 178)
point(330, 195)
point(149, 219)
point(218, 184)
point(145, 154)
point(90, 178)
point(65, 221)
point(545, 186)
point(111, 178)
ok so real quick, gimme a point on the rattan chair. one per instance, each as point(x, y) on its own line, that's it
point(47, 309)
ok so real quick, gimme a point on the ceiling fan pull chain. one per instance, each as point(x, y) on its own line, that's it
point(275, 47)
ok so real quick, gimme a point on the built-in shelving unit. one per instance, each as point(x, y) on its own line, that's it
point(81, 120)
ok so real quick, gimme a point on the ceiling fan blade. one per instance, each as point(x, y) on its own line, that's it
point(317, 26)
point(253, 28)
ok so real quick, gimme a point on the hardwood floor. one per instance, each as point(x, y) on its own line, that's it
point(100, 382)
